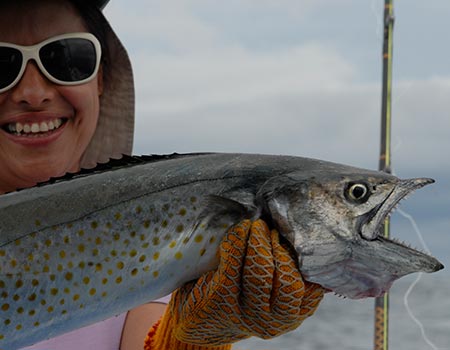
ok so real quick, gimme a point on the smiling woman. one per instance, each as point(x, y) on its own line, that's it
point(59, 107)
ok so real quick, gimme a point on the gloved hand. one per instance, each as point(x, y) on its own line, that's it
point(257, 290)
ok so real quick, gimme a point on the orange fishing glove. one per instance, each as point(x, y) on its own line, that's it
point(257, 290)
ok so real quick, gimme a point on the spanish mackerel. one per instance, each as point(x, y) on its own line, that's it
point(74, 252)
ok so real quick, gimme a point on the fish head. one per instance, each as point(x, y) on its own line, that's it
point(334, 220)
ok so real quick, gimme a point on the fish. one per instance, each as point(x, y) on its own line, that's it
point(77, 250)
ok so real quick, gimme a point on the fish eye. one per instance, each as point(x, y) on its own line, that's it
point(357, 192)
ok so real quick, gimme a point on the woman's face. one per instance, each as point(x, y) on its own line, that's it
point(28, 158)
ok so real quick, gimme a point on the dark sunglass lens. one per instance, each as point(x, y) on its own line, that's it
point(69, 60)
point(10, 64)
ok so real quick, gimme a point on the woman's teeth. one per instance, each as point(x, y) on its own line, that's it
point(34, 128)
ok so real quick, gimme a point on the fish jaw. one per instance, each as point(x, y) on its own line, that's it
point(366, 268)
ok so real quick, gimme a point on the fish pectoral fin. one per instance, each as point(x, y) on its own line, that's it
point(221, 212)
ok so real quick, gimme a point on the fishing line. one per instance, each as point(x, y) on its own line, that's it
point(419, 277)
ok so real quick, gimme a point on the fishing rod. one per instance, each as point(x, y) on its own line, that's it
point(382, 303)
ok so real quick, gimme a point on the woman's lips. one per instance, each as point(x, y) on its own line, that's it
point(33, 128)
point(35, 133)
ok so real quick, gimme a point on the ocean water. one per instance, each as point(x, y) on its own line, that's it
point(349, 324)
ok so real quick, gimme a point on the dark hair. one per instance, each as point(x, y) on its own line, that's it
point(96, 24)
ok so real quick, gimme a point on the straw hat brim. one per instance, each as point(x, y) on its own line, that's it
point(113, 136)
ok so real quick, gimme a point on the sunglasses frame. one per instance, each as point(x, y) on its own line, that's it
point(32, 53)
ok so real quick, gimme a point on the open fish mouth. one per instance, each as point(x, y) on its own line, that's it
point(371, 222)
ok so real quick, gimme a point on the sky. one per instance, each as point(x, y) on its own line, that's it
point(300, 78)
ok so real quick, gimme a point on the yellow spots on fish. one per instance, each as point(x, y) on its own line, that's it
point(166, 207)
point(16, 297)
point(156, 240)
point(178, 255)
point(81, 247)
point(193, 199)
point(94, 225)
point(34, 282)
point(109, 272)
point(147, 223)
point(45, 269)
point(119, 280)
point(104, 294)
point(19, 327)
point(98, 240)
point(116, 236)
point(202, 251)
point(133, 253)
point(167, 237)
point(81, 233)
point(182, 212)
point(120, 265)
point(138, 209)
point(172, 244)
point(156, 256)
point(48, 242)
point(50, 309)
point(142, 258)
point(180, 228)
point(76, 297)
point(62, 254)
point(5, 307)
point(92, 291)
point(37, 223)
point(198, 238)
point(54, 291)
point(98, 267)
point(113, 252)
point(32, 297)
point(145, 245)
point(2, 253)
point(13, 262)
point(86, 280)
point(17, 242)
point(108, 225)
point(19, 283)
point(212, 239)
point(134, 272)
point(164, 224)
point(155, 274)
point(105, 281)
point(95, 252)
point(82, 265)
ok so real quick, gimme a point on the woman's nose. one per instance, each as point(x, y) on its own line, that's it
point(33, 88)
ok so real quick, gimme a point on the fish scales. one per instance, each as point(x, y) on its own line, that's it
point(79, 251)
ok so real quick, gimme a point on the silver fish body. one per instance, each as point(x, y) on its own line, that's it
point(78, 251)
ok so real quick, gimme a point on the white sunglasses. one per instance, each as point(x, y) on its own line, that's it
point(68, 59)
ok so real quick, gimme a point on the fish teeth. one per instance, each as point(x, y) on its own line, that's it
point(19, 128)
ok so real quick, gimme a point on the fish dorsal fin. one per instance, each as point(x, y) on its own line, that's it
point(112, 164)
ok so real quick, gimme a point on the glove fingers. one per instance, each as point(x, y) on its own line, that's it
point(214, 297)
